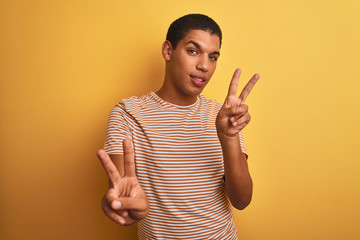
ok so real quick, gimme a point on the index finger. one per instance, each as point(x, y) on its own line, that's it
point(234, 82)
point(247, 89)
point(129, 160)
point(109, 166)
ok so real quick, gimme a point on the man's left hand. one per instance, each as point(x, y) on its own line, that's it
point(234, 115)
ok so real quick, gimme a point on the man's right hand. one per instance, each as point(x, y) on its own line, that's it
point(125, 201)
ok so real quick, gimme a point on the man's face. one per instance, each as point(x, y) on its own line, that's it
point(193, 62)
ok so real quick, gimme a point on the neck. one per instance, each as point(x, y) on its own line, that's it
point(174, 97)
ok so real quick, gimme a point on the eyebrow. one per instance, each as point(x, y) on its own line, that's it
point(199, 47)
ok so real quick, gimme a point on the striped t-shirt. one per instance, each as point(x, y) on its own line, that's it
point(179, 164)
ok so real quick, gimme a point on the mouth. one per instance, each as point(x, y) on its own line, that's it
point(198, 81)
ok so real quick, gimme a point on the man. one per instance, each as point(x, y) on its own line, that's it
point(191, 162)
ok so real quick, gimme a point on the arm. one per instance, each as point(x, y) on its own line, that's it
point(231, 119)
point(125, 201)
point(238, 181)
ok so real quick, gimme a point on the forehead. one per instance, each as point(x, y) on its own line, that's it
point(205, 39)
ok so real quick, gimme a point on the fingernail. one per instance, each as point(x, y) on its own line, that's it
point(234, 124)
point(116, 204)
point(231, 119)
point(125, 214)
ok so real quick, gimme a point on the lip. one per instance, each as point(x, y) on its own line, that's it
point(197, 82)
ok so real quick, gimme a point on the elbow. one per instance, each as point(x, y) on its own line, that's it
point(241, 206)
point(242, 203)
point(240, 196)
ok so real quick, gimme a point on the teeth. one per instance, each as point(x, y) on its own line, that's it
point(197, 79)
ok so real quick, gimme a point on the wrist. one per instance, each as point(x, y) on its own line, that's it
point(224, 138)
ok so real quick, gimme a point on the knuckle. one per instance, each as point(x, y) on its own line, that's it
point(129, 163)
point(235, 109)
point(245, 107)
point(109, 196)
point(111, 171)
point(128, 150)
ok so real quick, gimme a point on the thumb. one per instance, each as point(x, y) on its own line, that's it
point(130, 203)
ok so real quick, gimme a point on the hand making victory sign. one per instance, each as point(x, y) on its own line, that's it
point(125, 201)
point(234, 115)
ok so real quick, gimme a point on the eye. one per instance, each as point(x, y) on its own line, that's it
point(192, 51)
point(213, 58)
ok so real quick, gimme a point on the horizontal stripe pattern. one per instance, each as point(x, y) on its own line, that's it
point(178, 163)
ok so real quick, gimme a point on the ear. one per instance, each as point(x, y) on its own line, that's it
point(166, 50)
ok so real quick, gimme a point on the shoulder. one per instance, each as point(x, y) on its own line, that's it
point(135, 105)
point(209, 103)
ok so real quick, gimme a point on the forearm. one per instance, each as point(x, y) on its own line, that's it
point(238, 181)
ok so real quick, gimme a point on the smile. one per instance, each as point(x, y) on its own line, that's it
point(198, 81)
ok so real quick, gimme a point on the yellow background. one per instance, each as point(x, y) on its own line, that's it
point(64, 64)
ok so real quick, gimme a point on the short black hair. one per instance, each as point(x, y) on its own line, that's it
point(182, 26)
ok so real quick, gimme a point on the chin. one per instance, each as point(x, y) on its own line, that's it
point(194, 92)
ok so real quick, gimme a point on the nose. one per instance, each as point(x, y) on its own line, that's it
point(203, 64)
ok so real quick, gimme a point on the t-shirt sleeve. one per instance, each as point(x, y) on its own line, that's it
point(242, 144)
point(118, 129)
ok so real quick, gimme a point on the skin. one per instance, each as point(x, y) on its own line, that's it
point(195, 57)
point(125, 201)
point(231, 119)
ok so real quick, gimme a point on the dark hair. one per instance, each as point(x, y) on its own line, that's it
point(182, 26)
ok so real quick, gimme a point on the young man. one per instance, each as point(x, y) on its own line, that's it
point(191, 162)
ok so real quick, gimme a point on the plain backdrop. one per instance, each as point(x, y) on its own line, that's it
point(65, 64)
